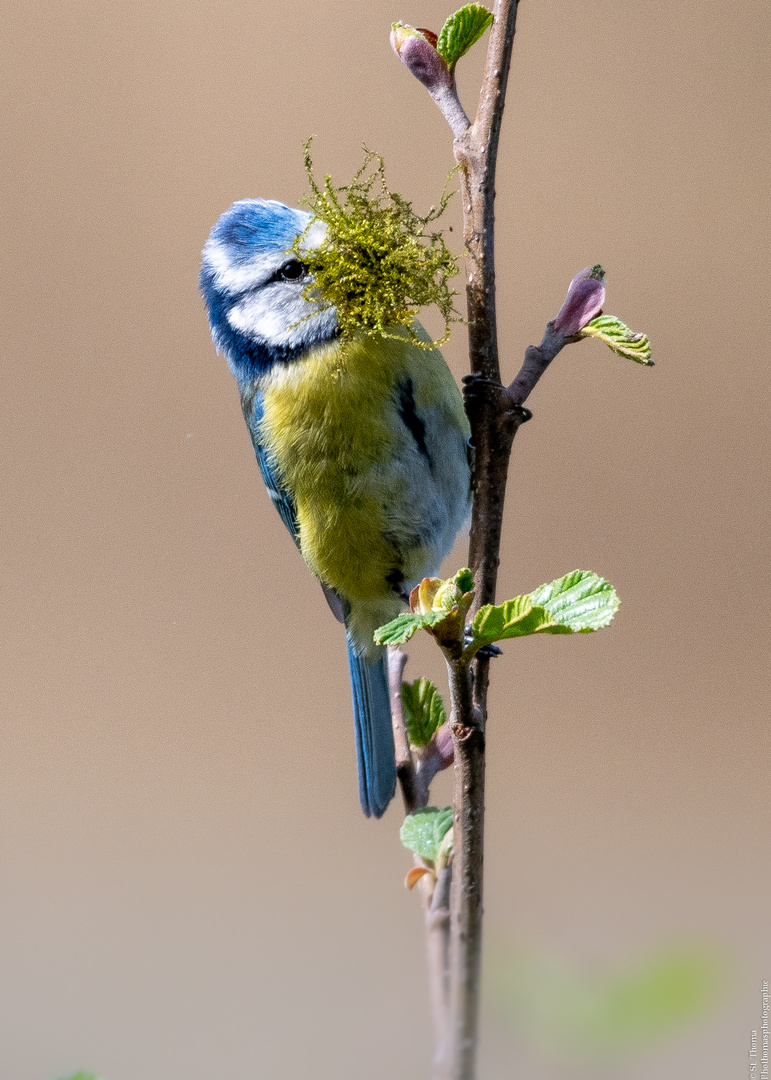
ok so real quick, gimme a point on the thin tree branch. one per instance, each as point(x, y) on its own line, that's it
point(449, 105)
point(468, 853)
point(537, 359)
point(496, 413)
point(405, 767)
point(436, 904)
point(494, 424)
point(434, 893)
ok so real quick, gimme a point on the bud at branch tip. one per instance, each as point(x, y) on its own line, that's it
point(586, 295)
point(416, 48)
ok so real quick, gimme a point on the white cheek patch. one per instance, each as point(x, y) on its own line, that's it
point(280, 315)
point(233, 277)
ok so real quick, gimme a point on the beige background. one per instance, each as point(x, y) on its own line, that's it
point(189, 889)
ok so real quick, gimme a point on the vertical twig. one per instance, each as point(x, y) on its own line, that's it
point(405, 767)
point(467, 863)
point(434, 894)
point(494, 424)
point(495, 416)
point(495, 413)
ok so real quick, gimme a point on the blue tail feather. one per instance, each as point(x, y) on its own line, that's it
point(374, 733)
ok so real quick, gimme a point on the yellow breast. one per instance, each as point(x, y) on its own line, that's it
point(332, 427)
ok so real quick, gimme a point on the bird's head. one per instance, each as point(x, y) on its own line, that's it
point(253, 286)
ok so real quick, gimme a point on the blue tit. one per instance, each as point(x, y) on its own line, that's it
point(362, 444)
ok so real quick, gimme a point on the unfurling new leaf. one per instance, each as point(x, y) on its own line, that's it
point(620, 338)
point(424, 831)
point(424, 711)
point(461, 31)
point(437, 606)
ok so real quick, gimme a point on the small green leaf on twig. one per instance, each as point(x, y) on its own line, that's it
point(424, 711)
point(401, 629)
point(577, 603)
point(461, 31)
point(424, 831)
point(620, 338)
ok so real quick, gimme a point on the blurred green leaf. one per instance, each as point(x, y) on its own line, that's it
point(424, 711)
point(80, 1076)
point(611, 1016)
point(577, 603)
point(461, 31)
point(618, 337)
point(423, 831)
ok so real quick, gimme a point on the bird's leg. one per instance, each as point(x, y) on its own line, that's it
point(480, 392)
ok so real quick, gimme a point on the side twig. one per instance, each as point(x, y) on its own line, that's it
point(434, 894)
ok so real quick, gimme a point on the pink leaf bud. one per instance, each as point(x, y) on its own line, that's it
point(416, 48)
point(444, 746)
point(584, 300)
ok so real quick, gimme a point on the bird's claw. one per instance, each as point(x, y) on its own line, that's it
point(486, 650)
point(479, 390)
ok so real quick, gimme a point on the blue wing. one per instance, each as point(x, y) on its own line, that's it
point(252, 403)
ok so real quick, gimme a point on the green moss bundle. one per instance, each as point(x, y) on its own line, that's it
point(381, 263)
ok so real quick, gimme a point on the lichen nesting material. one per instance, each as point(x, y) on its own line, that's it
point(380, 264)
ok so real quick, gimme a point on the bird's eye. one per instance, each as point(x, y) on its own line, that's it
point(292, 270)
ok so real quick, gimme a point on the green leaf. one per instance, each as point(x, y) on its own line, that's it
point(80, 1076)
point(424, 711)
point(620, 338)
point(516, 617)
point(461, 31)
point(423, 831)
point(580, 602)
point(401, 629)
point(577, 603)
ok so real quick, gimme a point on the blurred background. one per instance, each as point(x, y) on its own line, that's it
point(189, 888)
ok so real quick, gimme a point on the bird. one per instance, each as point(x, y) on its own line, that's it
point(362, 443)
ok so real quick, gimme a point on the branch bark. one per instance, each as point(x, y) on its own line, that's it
point(494, 424)
point(405, 767)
